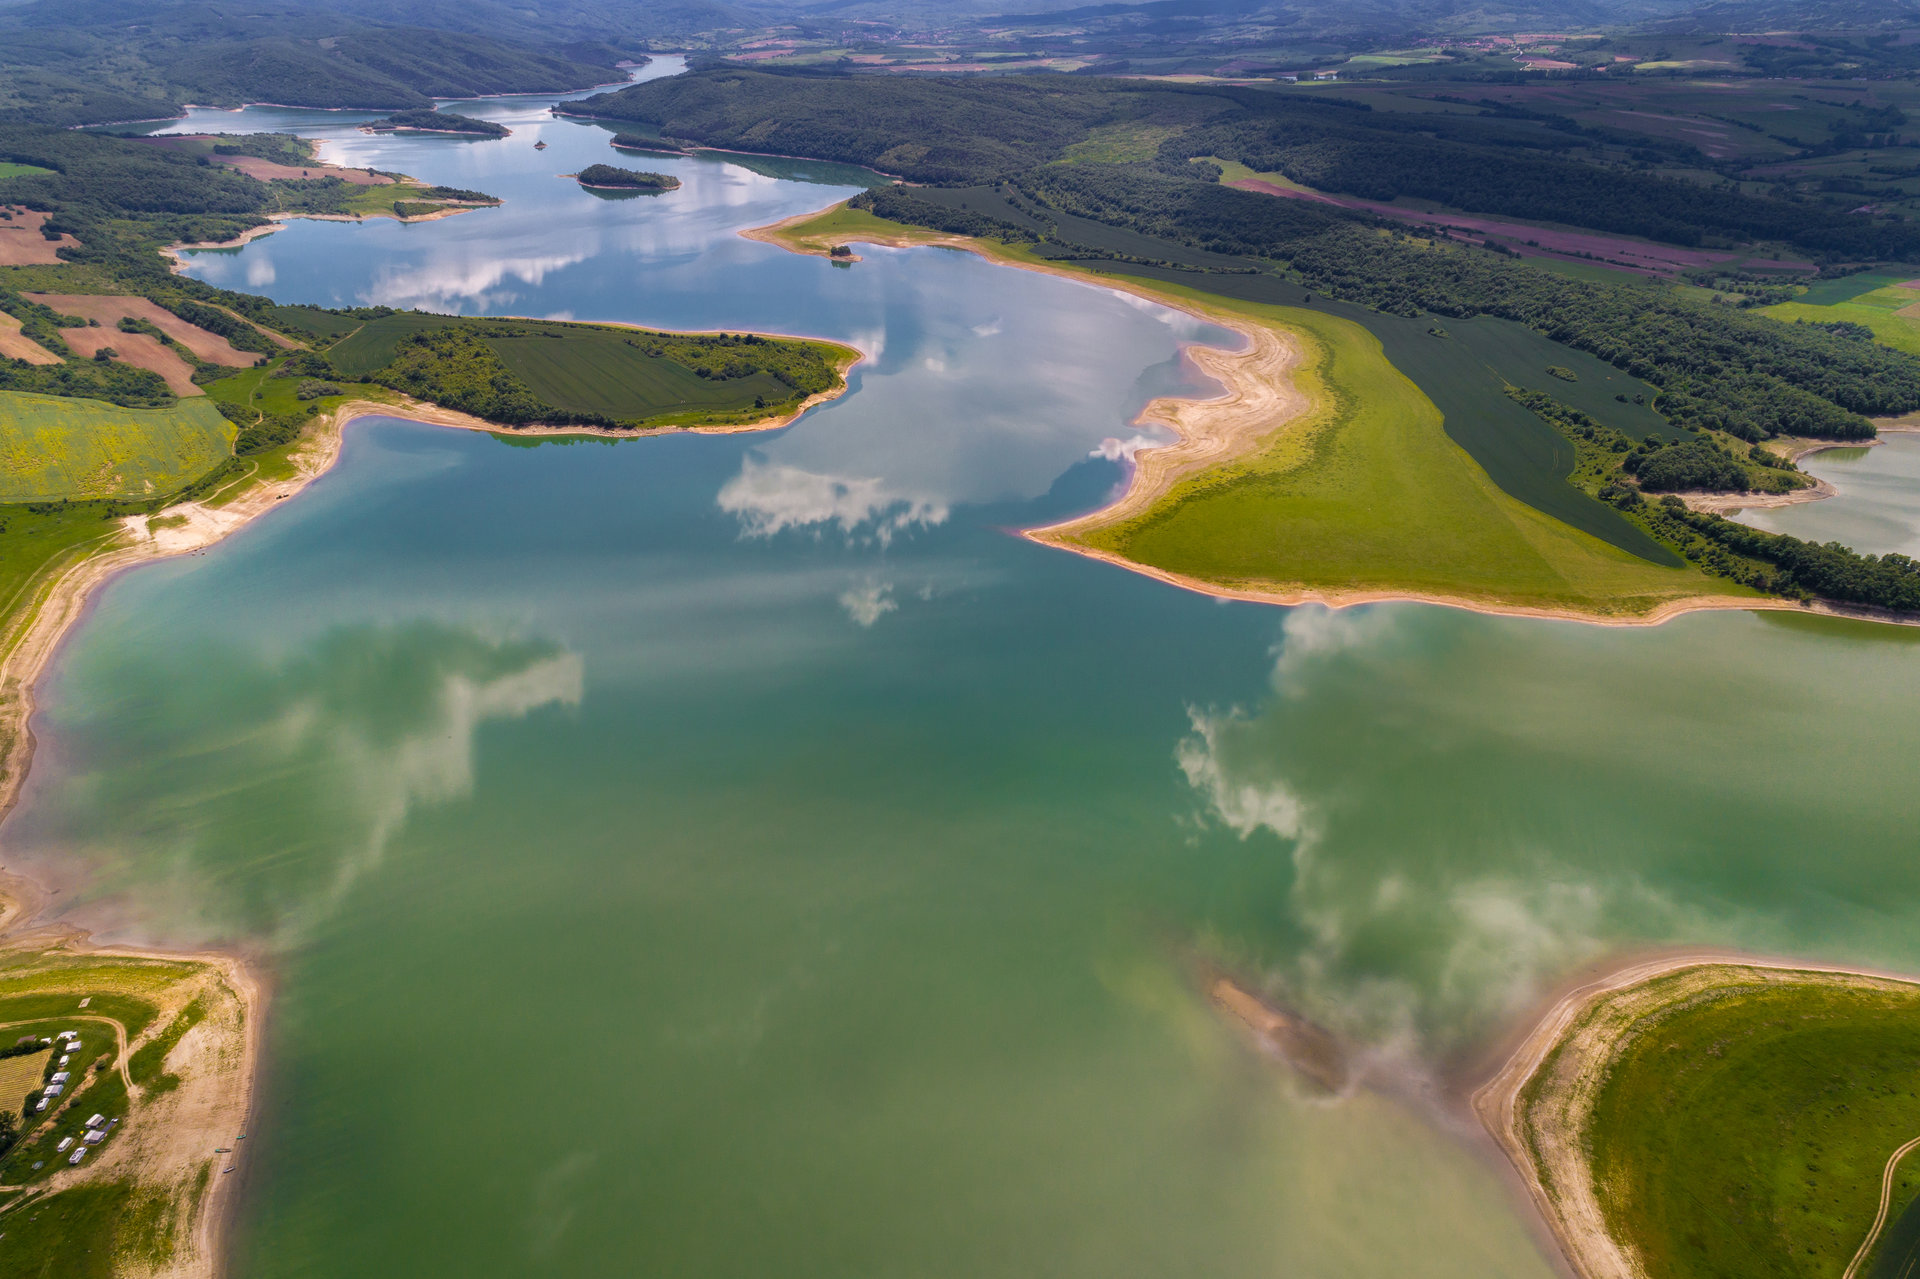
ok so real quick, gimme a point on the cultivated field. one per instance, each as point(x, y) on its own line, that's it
point(19, 1075)
point(1891, 310)
point(22, 244)
point(141, 350)
point(55, 447)
point(15, 345)
point(598, 372)
point(109, 309)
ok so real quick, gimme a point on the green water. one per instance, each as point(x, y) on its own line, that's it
point(738, 856)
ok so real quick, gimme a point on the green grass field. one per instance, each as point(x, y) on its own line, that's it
point(55, 447)
point(1876, 307)
point(72, 1234)
point(9, 169)
point(1370, 493)
point(596, 371)
point(1744, 1134)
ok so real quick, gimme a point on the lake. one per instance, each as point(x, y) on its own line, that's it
point(741, 855)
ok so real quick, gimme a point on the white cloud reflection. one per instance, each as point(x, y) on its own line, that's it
point(769, 498)
point(869, 603)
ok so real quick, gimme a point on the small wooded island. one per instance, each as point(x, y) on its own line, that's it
point(427, 120)
point(609, 177)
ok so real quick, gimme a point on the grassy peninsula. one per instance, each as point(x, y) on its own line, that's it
point(1378, 487)
point(1621, 406)
point(1700, 1120)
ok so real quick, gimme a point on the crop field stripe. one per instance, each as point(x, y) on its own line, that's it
point(54, 447)
point(20, 1076)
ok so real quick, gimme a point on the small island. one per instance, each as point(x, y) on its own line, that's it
point(1683, 1112)
point(427, 120)
point(607, 177)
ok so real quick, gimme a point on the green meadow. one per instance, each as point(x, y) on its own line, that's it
point(62, 447)
point(1877, 303)
point(1743, 1134)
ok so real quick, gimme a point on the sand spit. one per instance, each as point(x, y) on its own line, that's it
point(1574, 1043)
point(1237, 421)
point(1308, 1049)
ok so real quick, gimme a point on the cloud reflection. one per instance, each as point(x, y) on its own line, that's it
point(265, 824)
point(770, 498)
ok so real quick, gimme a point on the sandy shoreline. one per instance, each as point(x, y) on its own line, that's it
point(1562, 1194)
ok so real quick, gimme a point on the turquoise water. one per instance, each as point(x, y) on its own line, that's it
point(721, 856)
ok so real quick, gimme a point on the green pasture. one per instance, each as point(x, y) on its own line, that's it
point(1370, 493)
point(1877, 308)
point(57, 447)
point(1742, 1135)
point(32, 541)
point(9, 169)
point(62, 1234)
point(597, 371)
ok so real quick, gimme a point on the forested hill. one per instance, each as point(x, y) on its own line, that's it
point(58, 70)
point(954, 131)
